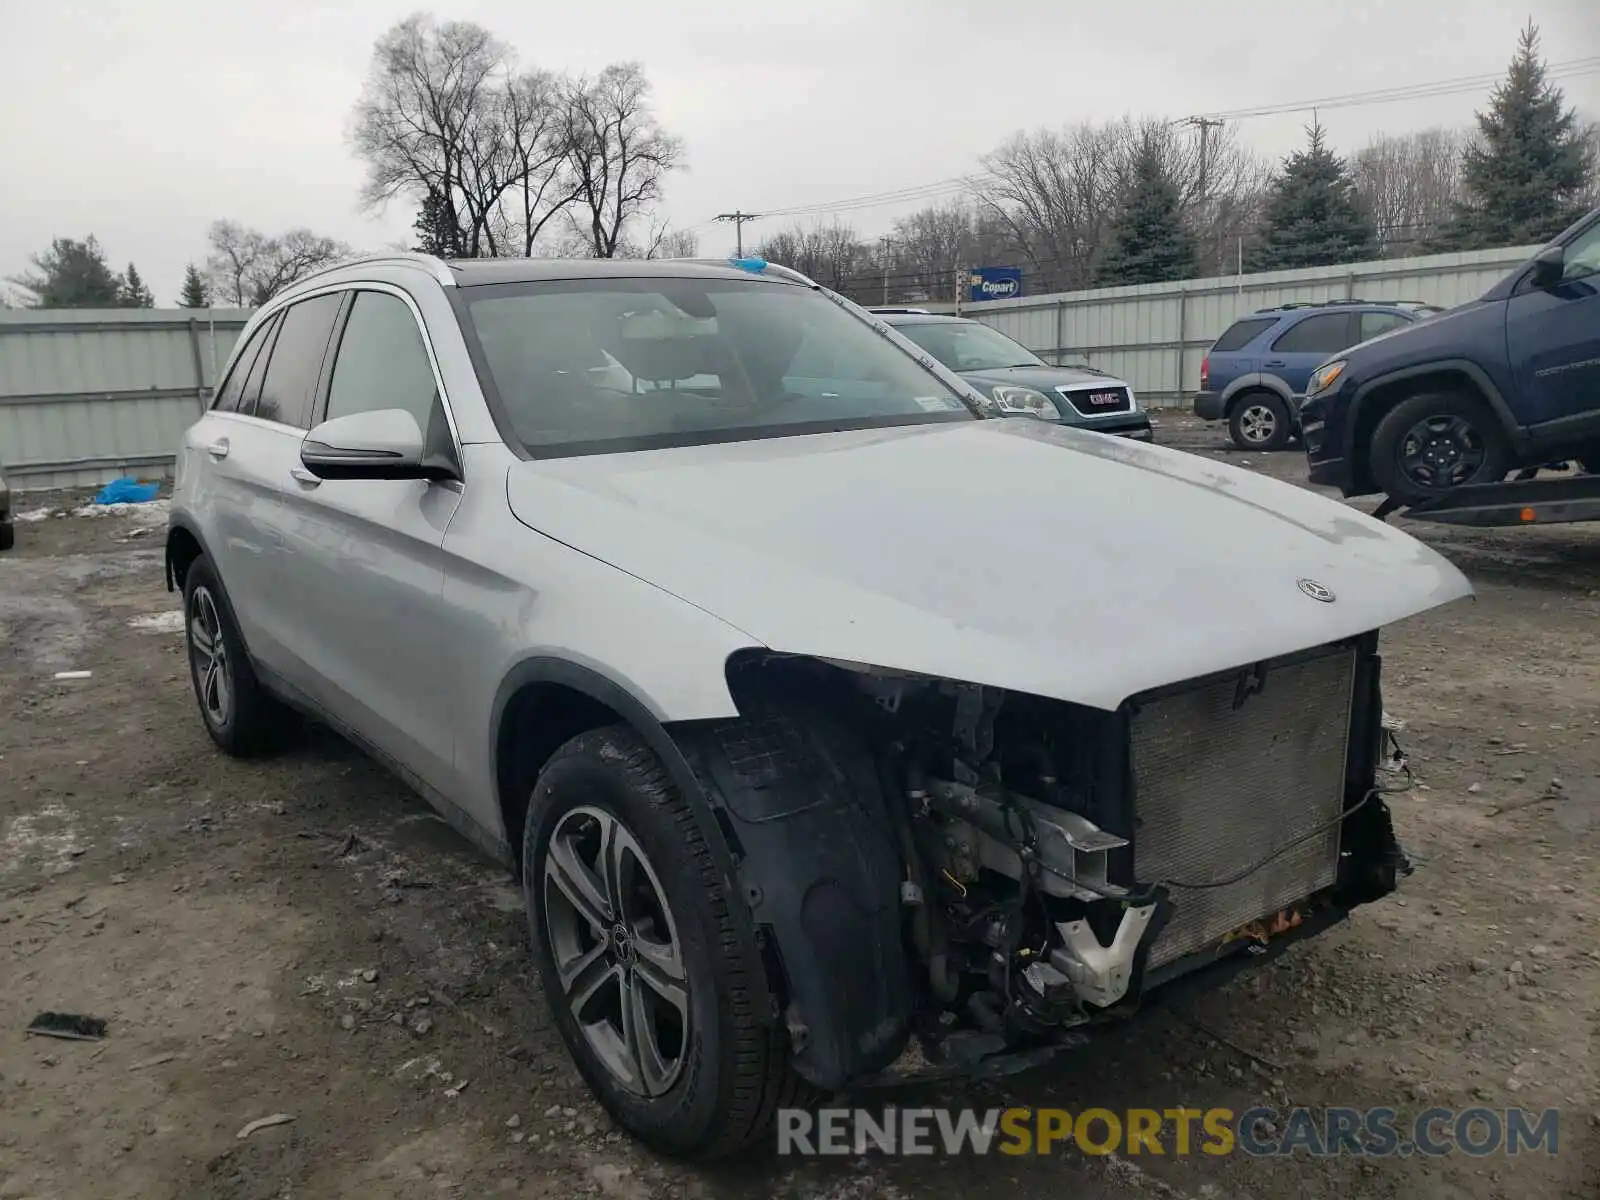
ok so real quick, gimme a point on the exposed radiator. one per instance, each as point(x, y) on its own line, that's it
point(1218, 788)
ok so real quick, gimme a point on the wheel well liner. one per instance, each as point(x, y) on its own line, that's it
point(184, 545)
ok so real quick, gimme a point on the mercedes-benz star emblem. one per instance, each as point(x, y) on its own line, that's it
point(1315, 590)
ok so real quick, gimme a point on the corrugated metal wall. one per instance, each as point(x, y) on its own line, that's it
point(89, 394)
point(1155, 335)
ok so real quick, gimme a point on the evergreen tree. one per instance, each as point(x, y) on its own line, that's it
point(72, 274)
point(134, 292)
point(1314, 217)
point(195, 293)
point(437, 231)
point(1149, 241)
point(1523, 179)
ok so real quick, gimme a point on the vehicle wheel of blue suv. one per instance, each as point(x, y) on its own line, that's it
point(241, 716)
point(1260, 421)
point(1431, 443)
point(638, 955)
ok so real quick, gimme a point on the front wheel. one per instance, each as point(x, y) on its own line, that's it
point(1260, 421)
point(639, 957)
point(1432, 443)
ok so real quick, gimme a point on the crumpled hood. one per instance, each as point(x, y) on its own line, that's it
point(1014, 553)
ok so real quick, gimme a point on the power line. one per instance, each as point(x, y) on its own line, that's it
point(1571, 69)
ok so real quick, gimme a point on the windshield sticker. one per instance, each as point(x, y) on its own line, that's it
point(931, 403)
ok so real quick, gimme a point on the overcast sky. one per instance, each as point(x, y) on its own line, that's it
point(143, 122)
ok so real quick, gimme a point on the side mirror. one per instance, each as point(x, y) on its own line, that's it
point(1548, 266)
point(384, 444)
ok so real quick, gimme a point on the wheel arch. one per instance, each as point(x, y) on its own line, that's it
point(184, 545)
point(1378, 396)
point(1255, 381)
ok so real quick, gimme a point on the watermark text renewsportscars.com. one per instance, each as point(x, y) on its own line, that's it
point(1179, 1132)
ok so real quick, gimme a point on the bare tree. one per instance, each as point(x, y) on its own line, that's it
point(538, 133)
point(1410, 183)
point(666, 242)
point(830, 254)
point(432, 122)
point(247, 267)
point(618, 153)
point(1591, 135)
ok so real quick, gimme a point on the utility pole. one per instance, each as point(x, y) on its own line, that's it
point(1205, 125)
point(738, 218)
point(884, 241)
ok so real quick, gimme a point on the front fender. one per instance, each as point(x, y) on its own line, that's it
point(1479, 378)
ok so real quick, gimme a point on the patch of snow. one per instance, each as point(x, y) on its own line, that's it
point(152, 512)
point(34, 514)
point(170, 621)
point(48, 834)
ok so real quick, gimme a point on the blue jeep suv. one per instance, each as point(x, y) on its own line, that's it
point(1255, 374)
point(1508, 381)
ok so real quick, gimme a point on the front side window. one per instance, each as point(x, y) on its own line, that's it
point(288, 390)
point(1582, 257)
point(969, 346)
point(1324, 334)
point(1374, 323)
point(598, 364)
point(382, 362)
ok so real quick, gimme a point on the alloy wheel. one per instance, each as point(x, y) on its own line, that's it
point(208, 657)
point(1258, 424)
point(1441, 452)
point(616, 951)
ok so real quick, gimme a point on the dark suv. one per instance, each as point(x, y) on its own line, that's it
point(1510, 380)
point(1255, 374)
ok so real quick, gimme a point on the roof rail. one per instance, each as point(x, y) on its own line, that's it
point(437, 267)
point(890, 310)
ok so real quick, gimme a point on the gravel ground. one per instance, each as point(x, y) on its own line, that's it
point(302, 937)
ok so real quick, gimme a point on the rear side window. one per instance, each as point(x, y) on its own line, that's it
point(1240, 333)
point(228, 398)
point(1374, 323)
point(1323, 334)
point(289, 389)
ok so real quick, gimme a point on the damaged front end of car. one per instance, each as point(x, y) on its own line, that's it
point(1047, 867)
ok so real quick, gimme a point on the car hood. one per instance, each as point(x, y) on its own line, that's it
point(1040, 378)
point(1015, 553)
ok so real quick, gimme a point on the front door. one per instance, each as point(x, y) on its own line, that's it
point(367, 559)
point(1306, 345)
point(1553, 340)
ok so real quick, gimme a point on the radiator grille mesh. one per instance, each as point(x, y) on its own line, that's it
point(1218, 788)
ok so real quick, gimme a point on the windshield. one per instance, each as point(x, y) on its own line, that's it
point(969, 346)
point(616, 364)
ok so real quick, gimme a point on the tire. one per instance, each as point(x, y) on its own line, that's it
point(8, 536)
point(1431, 443)
point(714, 1072)
point(242, 717)
point(1260, 421)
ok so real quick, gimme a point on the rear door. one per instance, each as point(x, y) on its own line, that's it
point(1306, 345)
point(230, 462)
point(1553, 339)
point(273, 416)
point(366, 555)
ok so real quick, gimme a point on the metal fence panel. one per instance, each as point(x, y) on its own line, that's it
point(1155, 335)
point(90, 394)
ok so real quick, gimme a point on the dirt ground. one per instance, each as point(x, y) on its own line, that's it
point(302, 937)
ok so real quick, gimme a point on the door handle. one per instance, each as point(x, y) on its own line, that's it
point(304, 477)
point(218, 448)
point(1276, 362)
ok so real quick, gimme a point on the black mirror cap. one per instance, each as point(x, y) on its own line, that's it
point(1548, 266)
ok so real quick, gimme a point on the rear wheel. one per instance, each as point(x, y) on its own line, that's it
point(8, 536)
point(1432, 443)
point(639, 957)
point(1260, 421)
point(241, 716)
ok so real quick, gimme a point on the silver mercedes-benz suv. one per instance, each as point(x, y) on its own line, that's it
point(815, 710)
